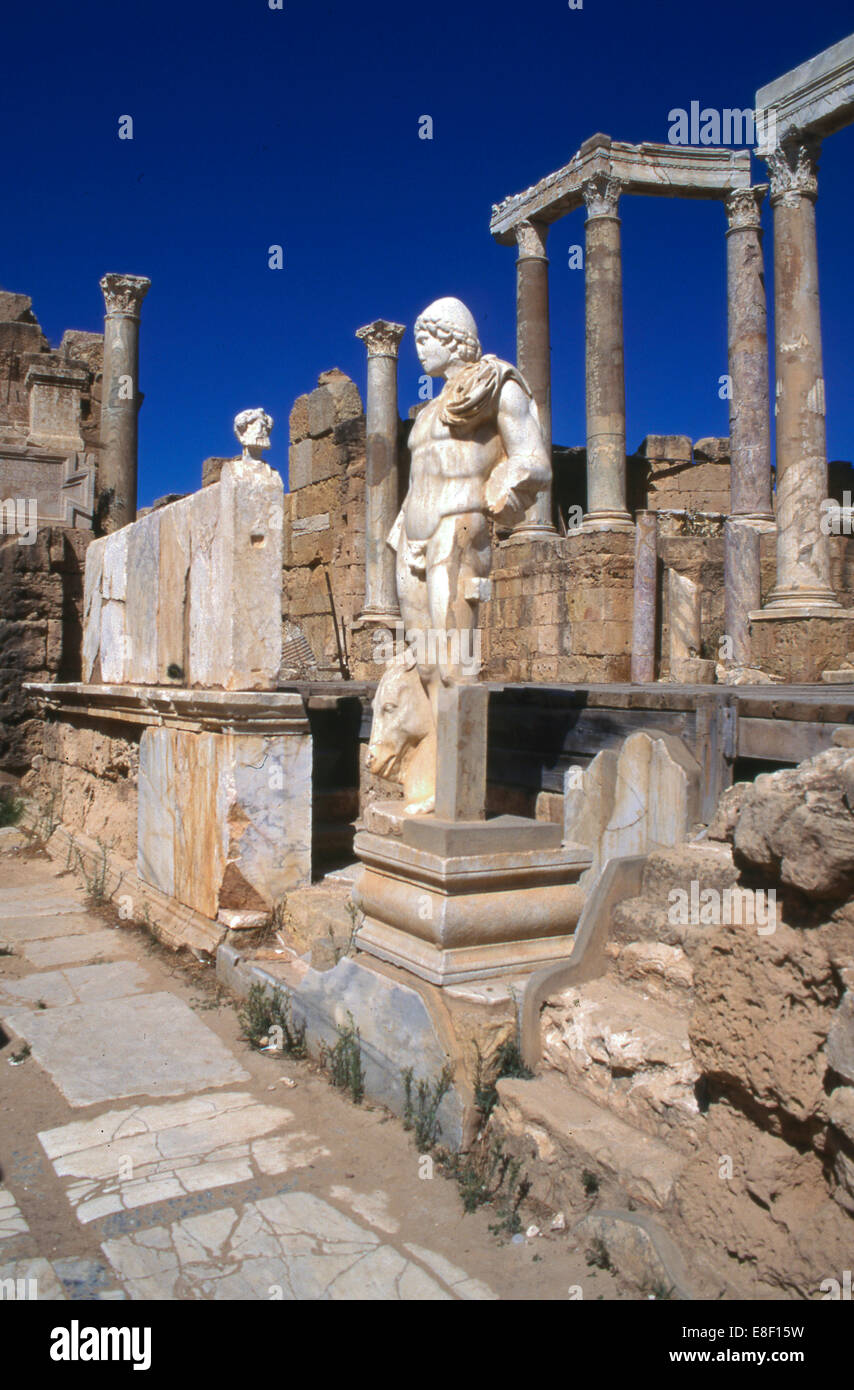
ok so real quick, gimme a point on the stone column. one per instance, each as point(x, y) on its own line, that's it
point(382, 493)
point(605, 375)
point(533, 354)
point(803, 551)
point(645, 597)
point(747, 324)
point(121, 399)
point(741, 585)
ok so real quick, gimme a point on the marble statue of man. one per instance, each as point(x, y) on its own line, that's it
point(478, 454)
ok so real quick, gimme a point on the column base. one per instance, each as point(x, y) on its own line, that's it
point(376, 617)
point(818, 602)
point(607, 520)
point(532, 531)
point(760, 521)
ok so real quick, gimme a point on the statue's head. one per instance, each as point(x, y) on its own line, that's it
point(253, 428)
point(446, 333)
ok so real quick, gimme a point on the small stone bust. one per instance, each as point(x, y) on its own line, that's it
point(253, 428)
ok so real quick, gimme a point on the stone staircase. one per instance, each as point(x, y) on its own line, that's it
point(614, 1109)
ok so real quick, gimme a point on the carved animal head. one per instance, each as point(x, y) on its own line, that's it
point(402, 720)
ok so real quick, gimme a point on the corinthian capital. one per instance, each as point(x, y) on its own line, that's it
point(531, 239)
point(793, 171)
point(382, 339)
point(601, 195)
point(744, 205)
point(123, 294)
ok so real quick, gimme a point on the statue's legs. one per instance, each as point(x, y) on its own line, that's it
point(437, 586)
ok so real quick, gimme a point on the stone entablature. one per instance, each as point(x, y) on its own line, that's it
point(658, 170)
point(817, 97)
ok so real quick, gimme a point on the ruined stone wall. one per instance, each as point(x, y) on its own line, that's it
point(561, 609)
point(323, 579)
point(87, 774)
point(50, 408)
point(41, 618)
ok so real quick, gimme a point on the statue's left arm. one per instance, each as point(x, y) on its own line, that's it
point(515, 482)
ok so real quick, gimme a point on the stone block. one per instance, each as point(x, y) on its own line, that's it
point(195, 585)
point(799, 649)
point(321, 412)
point(345, 394)
point(675, 448)
point(299, 464)
point(212, 470)
point(141, 616)
point(712, 450)
point(640, 797)
point(224, 819)
point(298, 420)
point(328, 459)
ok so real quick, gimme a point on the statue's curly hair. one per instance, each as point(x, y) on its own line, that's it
point(466, 344)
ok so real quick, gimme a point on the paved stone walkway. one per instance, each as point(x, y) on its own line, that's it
point(146, 1152)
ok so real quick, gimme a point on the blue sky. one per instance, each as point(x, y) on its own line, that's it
point(299, 127)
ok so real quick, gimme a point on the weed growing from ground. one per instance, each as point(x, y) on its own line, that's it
point(590, 1183)
point(344, 1061)
point(11, 807)
point(421, 1113)
point(597, 1254)
point(262, 1012)
point(489, 1175)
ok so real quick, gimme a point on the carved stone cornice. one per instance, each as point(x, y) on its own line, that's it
point(601, 195)
point(531, 239)
point(123, 294)
point(793, 171)
point(381, 338)
point(744, 207)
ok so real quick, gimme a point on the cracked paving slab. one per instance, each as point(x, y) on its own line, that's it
point(54, 925)
point(12, 1222)
point(77, 985)
point(144, 1044)
point(293, 1246)
point(129, 1158)
point(84, 946)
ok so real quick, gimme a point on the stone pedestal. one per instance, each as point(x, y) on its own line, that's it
point(453, 896)
point(747, 334)
point(382, 499)
point(533, 353)
point(803, 553)
point(471, 914)
point(645, 596)
point(605, 374)
point(798, 649)
point(121, 399)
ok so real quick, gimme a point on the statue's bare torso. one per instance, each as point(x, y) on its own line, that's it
point(447, 476)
